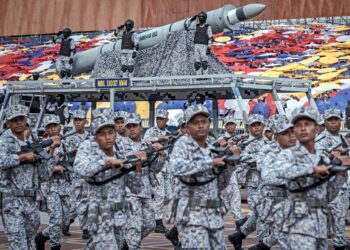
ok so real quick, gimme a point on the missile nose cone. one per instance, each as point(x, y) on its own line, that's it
point(252, 10)
point(244, 13)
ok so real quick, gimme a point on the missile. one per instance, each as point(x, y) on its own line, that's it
point(222, 19)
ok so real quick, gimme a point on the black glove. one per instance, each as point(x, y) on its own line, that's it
point(70, 60)
point(121, 27)
point(193, 18)
point(134, 54)
point(208, 51)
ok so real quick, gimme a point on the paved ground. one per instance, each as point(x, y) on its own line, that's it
point(153, 242)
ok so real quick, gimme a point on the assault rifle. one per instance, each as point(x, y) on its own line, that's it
point(38, 146)
point(131, 159)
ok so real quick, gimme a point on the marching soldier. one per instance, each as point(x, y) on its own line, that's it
point(310, 190)
point(141, 220)
point(273, 189)
point(160, 191)
point(98, 158)
point(58, 189)
point(79, 185)
point(199, 215)
point(21, 174)
point(232, 195)
point(252, 154)
point(339, 206)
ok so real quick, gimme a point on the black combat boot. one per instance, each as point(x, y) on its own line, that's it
point(40, 240)
point(160, 228)
point(236, 239)
point(125, 246)
point(259, 246)
point(341, 248)
point(240, 222)
point(56, 247)
point(65, 229)
point(85, 235)
point(173, 236)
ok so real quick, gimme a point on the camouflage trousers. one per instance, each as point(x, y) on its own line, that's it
point(59, 216)
point(199, 237)
point(270, 214)
point(339, 208)
point(301, 242)
point(128, 61)
point(232, 197)
point(64, 68)
point(140, 221)
point(21, 221)
point(80, 202)
point(106, 230)
point(253, 197)
point(161, 194)
point(201, 57)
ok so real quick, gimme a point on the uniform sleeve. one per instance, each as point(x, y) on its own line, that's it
point(334, 185)
point(66, 113)
point(150, 135)
point(7, 158)
point(185, 163)
point(72, 47)
point(210, 35)
point(191, 25)
point(135, 39)
point(117, 32)
point(58, 39)
point(289, 169)
point(86, 164)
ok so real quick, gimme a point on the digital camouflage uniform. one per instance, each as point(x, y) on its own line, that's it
point(231, 195)
point(253, 152)
point(140, 214)
point(200, 210)
point(272, 189)
point(78, 184)
point(127, 60)
point(20, 187)
point(58, 189)
point(161, 191)
point(105, 212)
point(307, 221)
point(339, 206)
point(200, 46)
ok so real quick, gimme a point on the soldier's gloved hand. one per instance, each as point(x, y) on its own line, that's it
point(193, 18)
point(70, 61)
point(159, 146)
point(134, 54)
point(208, 51)
point(218, 162)
point(29, 156)
point(321, 171)
point(58, 169)
point(121, 27)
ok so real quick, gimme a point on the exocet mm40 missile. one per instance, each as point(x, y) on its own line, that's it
point(222, 19)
